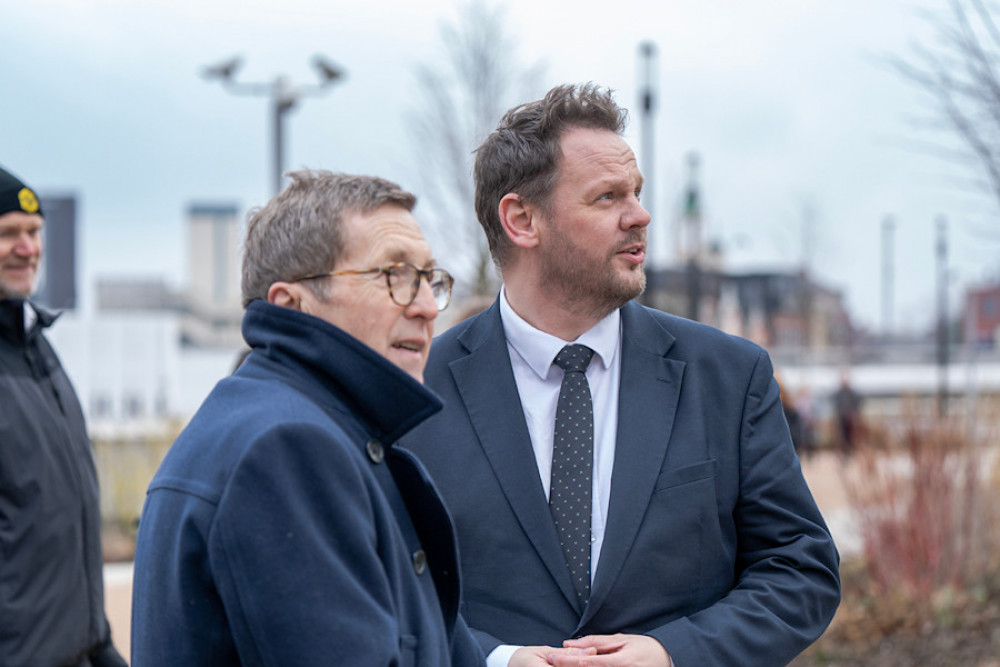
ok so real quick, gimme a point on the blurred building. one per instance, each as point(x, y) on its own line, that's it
point(776, 309)
point(212, 307)
point(148, 355)
point(57, 277)
point(208, 305)
point(773, 309)
point(982, 315)
point(137, 294)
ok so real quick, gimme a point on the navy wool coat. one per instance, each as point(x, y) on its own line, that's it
point(283, 528)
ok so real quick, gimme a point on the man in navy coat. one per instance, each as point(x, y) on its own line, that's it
point(704, 545)
point(283, 527)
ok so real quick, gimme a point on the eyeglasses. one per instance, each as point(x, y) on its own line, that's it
point(403, 281)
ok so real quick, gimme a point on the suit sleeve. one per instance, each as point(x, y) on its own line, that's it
point(788, 585)
point(465, 648)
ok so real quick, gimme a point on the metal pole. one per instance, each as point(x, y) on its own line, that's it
point(694, 289)
point(942, 314)
point(808, 242)
point(278, 144)
point(692, 224)
point(284, 100)
point(283, 96)
point(648, 103)
point(888, 268)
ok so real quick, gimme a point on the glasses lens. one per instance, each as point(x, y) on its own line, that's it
point(404, 280)
point(404, 283)
point(440, 282)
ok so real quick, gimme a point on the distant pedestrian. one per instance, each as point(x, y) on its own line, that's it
point(798, 425)
point(51, 565)
point(803, 404)
point(847, 410)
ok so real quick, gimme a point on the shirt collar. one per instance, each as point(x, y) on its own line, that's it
point(539, 349)
point(29, 316)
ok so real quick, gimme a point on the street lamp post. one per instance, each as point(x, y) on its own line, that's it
point(941, 251)
point(647, 100)
point(283, 96)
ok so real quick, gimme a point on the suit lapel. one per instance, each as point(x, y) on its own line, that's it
point(647, 402)
point(494, 408)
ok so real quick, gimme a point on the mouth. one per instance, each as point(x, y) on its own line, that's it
point(19, 269)
point(30, 266)
point(410, 346)
point(635, 253)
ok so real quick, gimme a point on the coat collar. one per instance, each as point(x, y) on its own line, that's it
point(331, 365)
point(12, 320)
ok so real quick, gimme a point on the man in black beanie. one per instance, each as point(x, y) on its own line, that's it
point(51, 583)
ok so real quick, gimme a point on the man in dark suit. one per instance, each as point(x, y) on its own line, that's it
point(696, 540)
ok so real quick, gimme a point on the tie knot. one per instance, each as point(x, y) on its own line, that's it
point(574, 358)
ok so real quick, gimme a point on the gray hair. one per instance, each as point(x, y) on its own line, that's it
point(298, 232)
point(522, 154)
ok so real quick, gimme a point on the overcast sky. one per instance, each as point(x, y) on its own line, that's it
point(786, 101)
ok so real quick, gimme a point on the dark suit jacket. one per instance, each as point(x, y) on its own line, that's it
point(714, 545)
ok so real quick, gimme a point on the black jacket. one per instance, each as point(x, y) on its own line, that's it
point(51, 583)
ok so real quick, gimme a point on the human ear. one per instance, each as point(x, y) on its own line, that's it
point(519, 220)
point(286, 295)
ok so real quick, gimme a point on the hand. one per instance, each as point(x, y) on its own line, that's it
point(614, 651)
point(537, 656)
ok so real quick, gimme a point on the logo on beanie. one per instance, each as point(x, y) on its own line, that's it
point(29, 204)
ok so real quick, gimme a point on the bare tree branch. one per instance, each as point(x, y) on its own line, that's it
point(960, 70)
point(461, 102)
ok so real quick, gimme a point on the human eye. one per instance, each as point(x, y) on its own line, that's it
point(401, 272)
point(439, 276)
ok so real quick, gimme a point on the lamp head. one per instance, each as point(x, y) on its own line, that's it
point(225, 71)
point(328, 71)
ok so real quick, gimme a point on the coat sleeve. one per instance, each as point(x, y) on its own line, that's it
point(787, 567)
point(299, 498)
point(465, 649)
point(106, 655)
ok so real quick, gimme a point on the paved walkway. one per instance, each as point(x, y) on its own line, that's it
point(118, 603)
point(822, 472)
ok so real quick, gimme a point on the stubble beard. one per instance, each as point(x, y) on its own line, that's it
point(11, 291)
point(589, 290)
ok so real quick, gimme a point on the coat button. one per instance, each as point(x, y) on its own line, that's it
point(375, 451)
point(419, 561)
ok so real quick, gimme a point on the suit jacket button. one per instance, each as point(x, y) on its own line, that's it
point(375, 451)
point(419, 561)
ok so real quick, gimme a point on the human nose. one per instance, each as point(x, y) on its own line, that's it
point(635, 215)
point(423, 304)
point(27, 244)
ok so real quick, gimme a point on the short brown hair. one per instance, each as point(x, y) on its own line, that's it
point(298, 233)
point(521, 155)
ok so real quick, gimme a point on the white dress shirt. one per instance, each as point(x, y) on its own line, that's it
point(532, 353)
point(29, 316)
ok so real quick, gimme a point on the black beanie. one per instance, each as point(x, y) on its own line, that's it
point(16, 196)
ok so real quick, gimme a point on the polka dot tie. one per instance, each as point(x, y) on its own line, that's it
point(572, 464)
